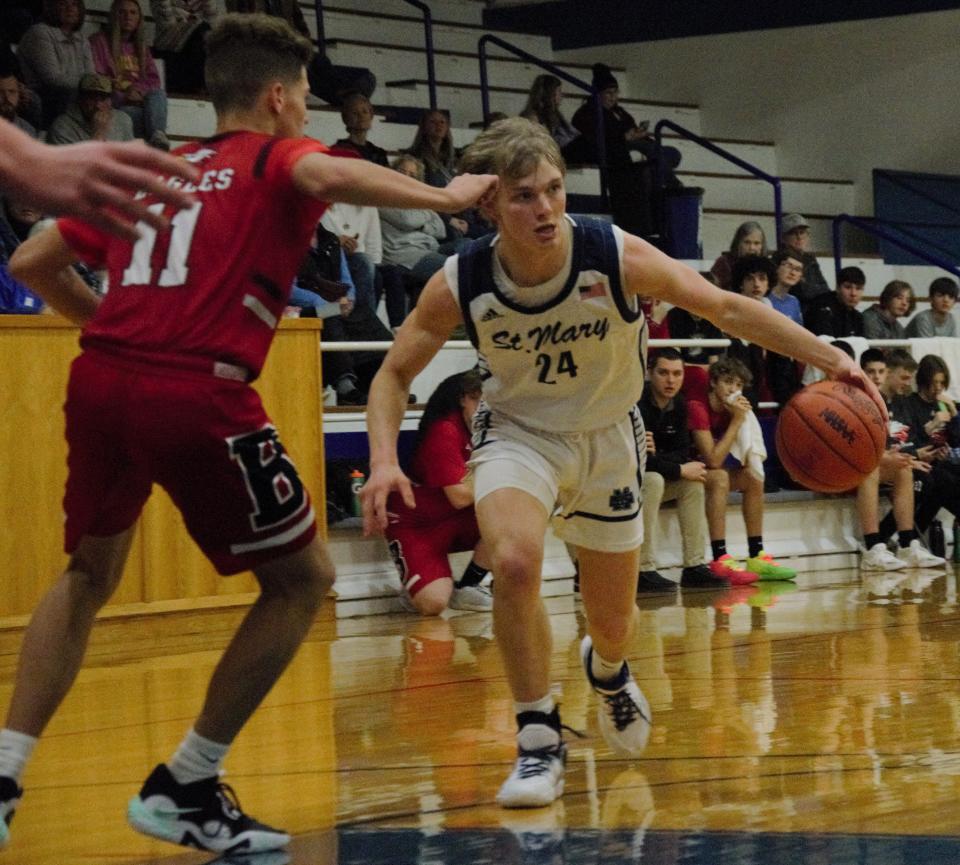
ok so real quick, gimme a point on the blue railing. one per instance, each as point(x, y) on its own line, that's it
point(427, 41)
point(489, 38)
point(884, 233)
point(725, 154)
point(900, 178)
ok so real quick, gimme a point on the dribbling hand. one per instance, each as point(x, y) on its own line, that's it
point(374, 493)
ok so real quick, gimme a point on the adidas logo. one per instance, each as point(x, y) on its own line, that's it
point(491, 314)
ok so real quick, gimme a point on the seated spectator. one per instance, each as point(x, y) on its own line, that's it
point(443, 521)
point(655, 312)
point(748, 239)
point(671, 474)
point(633, 186)
point(896, 301)
point(358, 228)
point(180, 28)
point(682, 324)
point(413, 248)
point(938, 320)
point(789, 271)
point(93, 117)
point(723, 428)
point(897, 468)
point(54, 55)
point(10, 94)
point(773, 377)
point(120, 52)
point(796, 237)
point(835, 313)
point(357, 114)
point(543, 106)
point(15, 298)
point(929, 409)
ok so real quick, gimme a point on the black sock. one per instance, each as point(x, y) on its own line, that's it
point(872, 539)
point(551, 720)
point(473, 575)
point(754, 546)
point(904, 538)
point(719, 548)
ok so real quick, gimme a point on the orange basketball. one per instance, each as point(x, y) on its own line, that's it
point(830, 436)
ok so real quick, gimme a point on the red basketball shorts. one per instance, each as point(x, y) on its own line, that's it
point(420, 552)
point(206, 441)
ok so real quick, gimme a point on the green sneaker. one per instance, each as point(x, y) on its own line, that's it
point(766, 568)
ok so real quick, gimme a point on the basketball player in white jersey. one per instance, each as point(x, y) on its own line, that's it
point(551, 303)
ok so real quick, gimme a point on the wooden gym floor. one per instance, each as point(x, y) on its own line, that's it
point(816, 723)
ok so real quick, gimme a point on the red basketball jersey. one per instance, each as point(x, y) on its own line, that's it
point(213, 287)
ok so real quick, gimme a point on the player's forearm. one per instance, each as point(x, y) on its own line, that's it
point(386, 406)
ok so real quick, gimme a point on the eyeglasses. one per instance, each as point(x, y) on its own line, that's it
point(793, 268)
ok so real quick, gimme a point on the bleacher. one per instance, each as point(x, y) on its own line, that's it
point(805, 530)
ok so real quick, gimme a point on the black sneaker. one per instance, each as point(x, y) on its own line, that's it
point(10, 793)
point(203, 814)
point(654, 581)
point(701, 577)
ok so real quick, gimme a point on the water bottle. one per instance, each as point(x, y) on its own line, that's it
point(956, 540)
point(935, 537)
point(357, 479)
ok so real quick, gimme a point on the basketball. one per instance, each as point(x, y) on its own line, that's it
point(830, 436)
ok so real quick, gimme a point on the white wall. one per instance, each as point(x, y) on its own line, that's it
point(838, 99)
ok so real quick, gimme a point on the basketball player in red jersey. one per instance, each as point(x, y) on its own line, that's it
point(161, 394)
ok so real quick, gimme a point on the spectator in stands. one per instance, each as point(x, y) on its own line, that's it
point(10, 95)
point(543, 106)
point(683, 324)
point(796, 237)
point(728, 439)
point(938, 320)
point(671, 474)
point(789, 271)
point(633, 186)
point(358, 228)
point(748, 239)
point(54, 55)
point(773, 376)
point(896, 301)
point(835, 314)
point(120, 52)
point(180, 27)
point(413, 248)
point(357, 114)
point(444, 521)
point(15, 298)
point(92, 117)
point(898, 469)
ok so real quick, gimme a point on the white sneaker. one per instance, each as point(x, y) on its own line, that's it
point(624, 713)
point(915, 556)
point(537, 776)
point(879, 558)
point(476, 598)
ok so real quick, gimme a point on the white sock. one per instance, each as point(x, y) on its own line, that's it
point(15, 750)
point(197, 758)
point(544, 704)
point(602, 669)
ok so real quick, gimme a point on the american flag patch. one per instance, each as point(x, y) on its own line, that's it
point(595, 290)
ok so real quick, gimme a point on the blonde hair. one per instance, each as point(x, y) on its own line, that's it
point(511, 149)
point(112, 29)
point(408, 159)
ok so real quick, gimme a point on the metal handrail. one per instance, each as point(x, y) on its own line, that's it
point(559, 73)
point(736, 160)
point(427, 41)
point(884, 234)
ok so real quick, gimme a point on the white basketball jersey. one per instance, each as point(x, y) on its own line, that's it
point(573, 363)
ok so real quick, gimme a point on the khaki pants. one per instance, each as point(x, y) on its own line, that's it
point(690, 510)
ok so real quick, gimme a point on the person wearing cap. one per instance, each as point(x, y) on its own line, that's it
point(93, 117)
point(795, 237)
point(632, 185)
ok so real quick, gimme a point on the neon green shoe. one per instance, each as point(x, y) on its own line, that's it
point(766, 568)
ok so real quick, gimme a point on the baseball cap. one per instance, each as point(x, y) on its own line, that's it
point(94, 83)
point(793, 221)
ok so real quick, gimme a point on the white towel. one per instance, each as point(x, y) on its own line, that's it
point(748, 446)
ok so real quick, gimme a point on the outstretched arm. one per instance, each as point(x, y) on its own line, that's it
point(423, 332)
point(648, 272)
point(95, 180)
point(356, 181)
